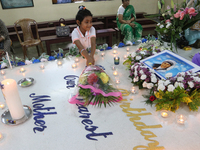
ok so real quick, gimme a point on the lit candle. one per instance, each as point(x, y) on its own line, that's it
point(181, 119)
point(102, 54)
point(115, 73)
point(2, 105)
point(117, 80)
point(42, 66)
point(22, 69)
point(59, 63)
point(116, 60)
point(125, 56)
point(74, 65)
point(133, 91)
point(114, 51)
point(76, 60)
point(164, 114)
point(127, 49)
point(1, 136)
point(13, 101)
point(2, 72)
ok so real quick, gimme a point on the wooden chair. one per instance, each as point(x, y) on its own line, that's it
point(28, 38)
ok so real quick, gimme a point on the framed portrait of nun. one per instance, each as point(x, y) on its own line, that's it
point(168, 62)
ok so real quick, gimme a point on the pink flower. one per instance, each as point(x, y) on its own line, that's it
point(177, 15)
point(186, 10)
point(168, 20)
point(182, 14)
point(191, 12)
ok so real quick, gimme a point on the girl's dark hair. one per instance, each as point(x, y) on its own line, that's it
point(82, 13)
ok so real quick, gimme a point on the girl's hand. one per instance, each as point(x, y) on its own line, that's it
point(89, 60)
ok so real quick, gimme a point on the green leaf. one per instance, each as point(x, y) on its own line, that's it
point(159, 5)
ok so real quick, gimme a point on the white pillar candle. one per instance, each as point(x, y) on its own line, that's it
point(12, 98)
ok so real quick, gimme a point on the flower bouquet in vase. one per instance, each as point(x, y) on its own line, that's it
point(96, 88)
point(174, 20)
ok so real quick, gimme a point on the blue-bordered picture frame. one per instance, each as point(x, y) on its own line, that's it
point(168, 62)
point(6, 4)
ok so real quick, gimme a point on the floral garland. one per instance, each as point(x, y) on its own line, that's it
point(166, 94)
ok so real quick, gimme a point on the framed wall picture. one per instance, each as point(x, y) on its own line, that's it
point(167, 62)
point(7, 4)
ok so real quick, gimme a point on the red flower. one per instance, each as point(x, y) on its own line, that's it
point(92, 78)
point(152, 98)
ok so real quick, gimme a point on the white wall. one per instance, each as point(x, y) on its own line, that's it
point(44, 10)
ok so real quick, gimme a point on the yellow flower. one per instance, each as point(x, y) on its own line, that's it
point(104, 77)
point(158, 95)
point(83, 79)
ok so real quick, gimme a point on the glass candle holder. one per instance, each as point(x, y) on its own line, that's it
point(116, 60)
point(42, 66)
point(102, 54)
point(22, 70)
point(125, 57)
point(115, 73)
point(74, 65)
point(133, 90)
point(180, 119)
point(2, 105)
point(164, 113)
point(127, 49)
point(2, 72)
point(59, 63)
point(114, 51)
point(76, 60)
point(117, 81)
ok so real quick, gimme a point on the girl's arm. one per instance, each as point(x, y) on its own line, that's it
point(83, 52)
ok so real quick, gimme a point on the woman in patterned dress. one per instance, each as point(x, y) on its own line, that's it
point(126, 23)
